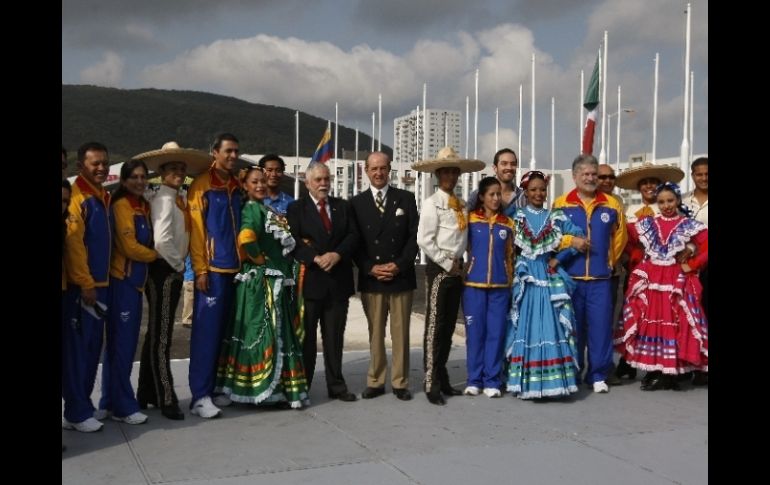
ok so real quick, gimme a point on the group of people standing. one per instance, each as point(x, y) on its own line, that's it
point(269, 271)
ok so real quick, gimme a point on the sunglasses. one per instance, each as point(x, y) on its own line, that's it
point(605, 177)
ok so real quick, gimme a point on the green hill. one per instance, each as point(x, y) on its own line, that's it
point(131, 121)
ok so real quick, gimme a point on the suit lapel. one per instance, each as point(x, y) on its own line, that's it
point(316, 228)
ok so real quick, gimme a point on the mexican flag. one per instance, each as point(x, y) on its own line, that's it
point(590, 103)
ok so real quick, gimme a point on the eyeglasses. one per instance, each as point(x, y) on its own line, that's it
point(605, 177)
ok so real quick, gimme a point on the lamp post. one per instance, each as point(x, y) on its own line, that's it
point(617, 141)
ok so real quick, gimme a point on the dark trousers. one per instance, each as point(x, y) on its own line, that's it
point(443, 302)
point(333, 315)
point(163, 289)
point(704, 296)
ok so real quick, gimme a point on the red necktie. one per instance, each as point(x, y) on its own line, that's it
point(324, 216)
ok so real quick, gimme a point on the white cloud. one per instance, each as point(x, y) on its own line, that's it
point(507, 138)
point(108, 72)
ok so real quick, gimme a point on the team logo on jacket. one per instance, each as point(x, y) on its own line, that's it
point(503, 234)
point(605, 218)
point(211, 301)
point(124, 316)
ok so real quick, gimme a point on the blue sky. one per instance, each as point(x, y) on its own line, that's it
point(308, 54)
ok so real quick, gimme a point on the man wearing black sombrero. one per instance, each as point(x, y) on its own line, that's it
point(442, 235)
point(171, 234)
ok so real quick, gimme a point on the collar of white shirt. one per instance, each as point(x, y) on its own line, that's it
point(384, 191)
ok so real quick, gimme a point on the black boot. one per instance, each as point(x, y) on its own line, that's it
point(624, 369)
point(652, 381)
point(700, 378)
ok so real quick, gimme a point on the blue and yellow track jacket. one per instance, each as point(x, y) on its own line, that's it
point(132, 240)
point(215, 213)
point(490, 248)
point(89, 237)
point(605, 226)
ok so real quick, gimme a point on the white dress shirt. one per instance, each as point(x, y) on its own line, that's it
point(172, 241)
point(438, 234)
point(699, 212)
point(328, 207)
point(384, 191)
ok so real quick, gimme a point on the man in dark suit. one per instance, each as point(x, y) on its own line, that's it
point(326, 237)
point(387, 223)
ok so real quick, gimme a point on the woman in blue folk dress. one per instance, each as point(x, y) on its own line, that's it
point(540, 346)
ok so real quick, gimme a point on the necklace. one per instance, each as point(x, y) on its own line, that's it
point(532, 210)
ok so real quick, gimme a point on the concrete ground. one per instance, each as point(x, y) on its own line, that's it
point(627, 436)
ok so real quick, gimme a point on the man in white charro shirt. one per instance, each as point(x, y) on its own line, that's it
point(442, 235)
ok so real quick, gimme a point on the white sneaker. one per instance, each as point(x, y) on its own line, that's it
point(222, 400)
point(471, 391)
point(492, 392)
point(102, 414)
point(204, 408)
point(88, 426)
point(135, 418)
point(601, 386)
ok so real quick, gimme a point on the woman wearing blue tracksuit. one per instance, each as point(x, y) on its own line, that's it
point(487, 291)
point(132, 250)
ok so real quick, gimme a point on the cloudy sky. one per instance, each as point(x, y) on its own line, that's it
point(308, 54)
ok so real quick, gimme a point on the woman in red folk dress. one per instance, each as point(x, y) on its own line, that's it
point(664, 330)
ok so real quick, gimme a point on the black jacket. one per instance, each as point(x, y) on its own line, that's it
point(313, 240)
point(386, 237)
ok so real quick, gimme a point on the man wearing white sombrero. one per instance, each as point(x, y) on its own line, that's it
point(171, 233)
point(442, 235)
point(646, 179)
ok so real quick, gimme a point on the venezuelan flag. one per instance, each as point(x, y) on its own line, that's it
point(324, 151)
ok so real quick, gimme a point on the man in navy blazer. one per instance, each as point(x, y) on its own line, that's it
point(326, 237)
point(387, 224)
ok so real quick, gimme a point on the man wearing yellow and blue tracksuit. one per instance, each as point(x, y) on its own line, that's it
point(486, 298)
point(215, 216)
point(87, 261)
point(602, 219)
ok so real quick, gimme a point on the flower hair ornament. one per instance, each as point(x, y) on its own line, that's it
point(533, 174)
point(244, 172)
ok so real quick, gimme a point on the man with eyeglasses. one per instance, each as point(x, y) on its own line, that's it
point(274, 167)
point(606, 176)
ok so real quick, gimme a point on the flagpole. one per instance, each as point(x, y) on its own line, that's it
point(475, 176)
point(521, 120)
point(416, 154)
point(426, 177)
point(532, 163)
point(296, 154)
point(617, 141)
point(553, 150)
point(655, 109)
point(692, 112)
point(602, 154)
point(497, 128)
point(372, 131)
point(355, 166)
point(685, 148)
point(580, 113)
point(466, 176)
point(379, 125)
point(336, 121)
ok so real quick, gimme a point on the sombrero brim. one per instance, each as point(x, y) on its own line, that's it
point(629, 179)
point(465, 165)
point(196, 160)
